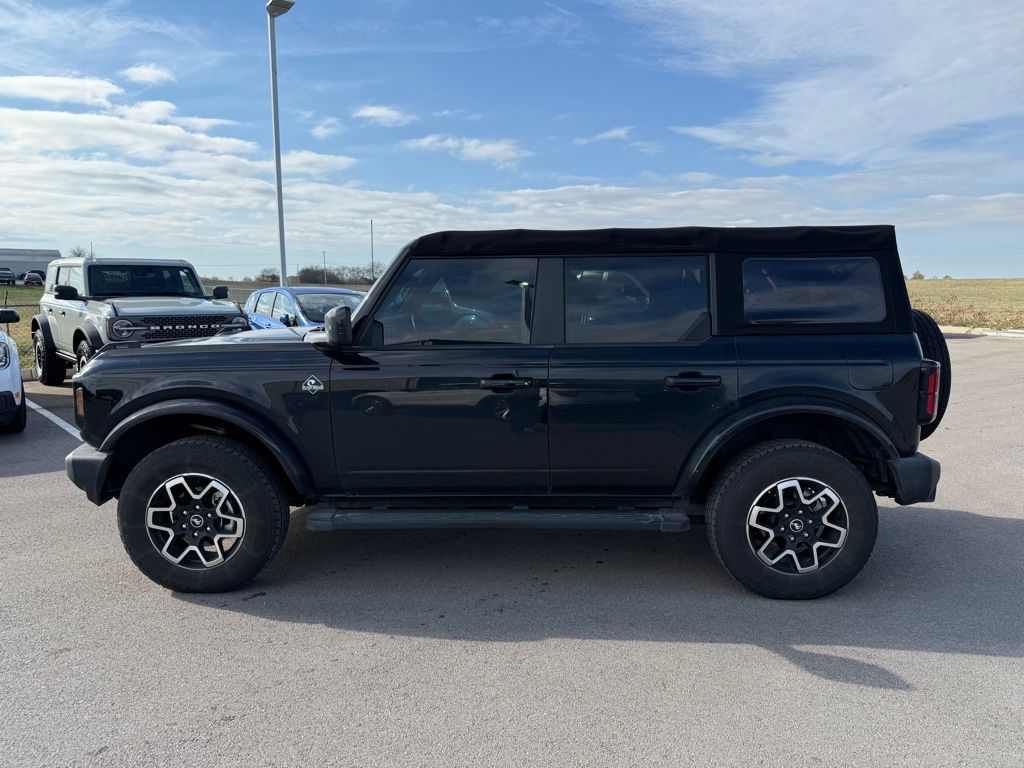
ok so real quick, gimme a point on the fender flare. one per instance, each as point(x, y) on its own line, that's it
point(282, 450)
point(707, 448)
point(92, 335)
point(43, 323)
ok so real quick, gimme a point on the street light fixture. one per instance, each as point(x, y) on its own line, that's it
point(277, 8)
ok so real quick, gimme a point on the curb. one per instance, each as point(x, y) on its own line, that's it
point(1007, 334)
point(28, 374)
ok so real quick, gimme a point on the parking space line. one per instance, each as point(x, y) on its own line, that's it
point(70, 429)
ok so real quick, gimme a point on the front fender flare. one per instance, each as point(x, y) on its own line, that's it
point(43, 323)
point(704, 452)
point(92, 335)
point(270, 438)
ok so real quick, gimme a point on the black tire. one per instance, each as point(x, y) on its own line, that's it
point(933, 344)
point(50, 369)
point(83, 353)
point(257, 488)
point(748, 478)
point(18, 422)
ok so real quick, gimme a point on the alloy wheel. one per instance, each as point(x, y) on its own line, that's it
point(797, 525)
point(195, 521)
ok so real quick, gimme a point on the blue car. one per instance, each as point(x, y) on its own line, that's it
point(289, 307)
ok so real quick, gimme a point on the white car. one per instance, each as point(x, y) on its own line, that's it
point(12, 390)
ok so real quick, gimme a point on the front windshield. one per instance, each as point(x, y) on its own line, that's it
point(316, 305)
point(143, 280)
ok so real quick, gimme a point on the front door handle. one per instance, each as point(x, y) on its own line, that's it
point(509, 383)
point(692, 381)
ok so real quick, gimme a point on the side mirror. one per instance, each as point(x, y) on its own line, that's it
point(286, 320)
point(65, 292)
point(220, 292)
point(338, 324)
point(9, 316)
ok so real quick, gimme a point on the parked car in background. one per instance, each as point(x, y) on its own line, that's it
point(6, 276)
point(12, 391)
point(301, 307)
point(90, 302)
point(33, 278)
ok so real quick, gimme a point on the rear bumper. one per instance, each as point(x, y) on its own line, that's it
point(88, 469)
point(915, 477)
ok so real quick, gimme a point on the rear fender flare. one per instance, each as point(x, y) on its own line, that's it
point(41, 323)
point(703, 454)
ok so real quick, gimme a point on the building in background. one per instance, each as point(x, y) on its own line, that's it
point(21, 260)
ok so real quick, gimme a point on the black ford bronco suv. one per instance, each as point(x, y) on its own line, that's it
point(767, 381)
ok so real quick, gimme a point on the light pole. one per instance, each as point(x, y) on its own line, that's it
point(277, 8)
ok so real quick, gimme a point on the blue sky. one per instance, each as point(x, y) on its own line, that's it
point(144, 126)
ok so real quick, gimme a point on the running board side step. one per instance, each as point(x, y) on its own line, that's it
point(325, 518)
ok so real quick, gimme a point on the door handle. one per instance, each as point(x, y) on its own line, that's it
point(510, 383)
point(691, 381)
point(63, 312)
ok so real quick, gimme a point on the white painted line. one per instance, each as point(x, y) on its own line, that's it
point(69, 428)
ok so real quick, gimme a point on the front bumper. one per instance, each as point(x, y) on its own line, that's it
point(10, 402)
point(88, 469)
point(915, 477)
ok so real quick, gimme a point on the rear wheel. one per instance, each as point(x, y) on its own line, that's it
point(50, 369)
point(934, 347)
point(202, 514)
point(792, 520)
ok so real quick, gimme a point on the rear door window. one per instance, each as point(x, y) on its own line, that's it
point(265, 304)
point(813, 290)
point(635, 299)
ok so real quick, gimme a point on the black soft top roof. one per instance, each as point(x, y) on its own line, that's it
point(513, 242)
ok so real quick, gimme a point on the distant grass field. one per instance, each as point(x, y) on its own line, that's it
point(995, 303)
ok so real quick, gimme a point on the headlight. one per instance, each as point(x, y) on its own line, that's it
point(240, 320)
point(122, 329)
point(5, 355)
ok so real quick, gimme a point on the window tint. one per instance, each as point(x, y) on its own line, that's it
point(438, 301)
point(265, 304)
point(51, 279)
point(143, 280)
point(813, 290)
point(629, 300)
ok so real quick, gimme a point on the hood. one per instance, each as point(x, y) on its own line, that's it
point(139, 306)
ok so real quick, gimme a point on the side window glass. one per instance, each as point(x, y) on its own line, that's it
point(813, 290)
point(51, 279)
point(284, 306)
point(71, 276)
point(635, 299)
point(265, 304)
point(250, 303)
point(460, 301)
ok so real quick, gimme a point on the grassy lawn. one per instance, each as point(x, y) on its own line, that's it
point(996, 303)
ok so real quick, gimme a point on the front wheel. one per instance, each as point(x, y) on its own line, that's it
point(202, 514)
point(792, 520)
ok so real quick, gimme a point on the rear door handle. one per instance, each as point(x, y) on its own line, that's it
point(690, 381)
point(510, 383)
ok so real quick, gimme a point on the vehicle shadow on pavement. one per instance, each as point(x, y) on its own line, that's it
point(939, 581)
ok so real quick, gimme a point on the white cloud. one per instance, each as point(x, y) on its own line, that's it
point(148, 74)
point(90, 91)
point(314, 163)
point(621, 133)
point(381, 115)
point(500, 152)
point(867, 83)
point(326, 127)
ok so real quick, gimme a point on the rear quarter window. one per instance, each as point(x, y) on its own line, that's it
point(813, 290)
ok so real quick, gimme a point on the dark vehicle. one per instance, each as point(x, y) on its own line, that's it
point(89, 302)
point(7, 276)
point(305, 306)
point(32, 278)
point(767, 381)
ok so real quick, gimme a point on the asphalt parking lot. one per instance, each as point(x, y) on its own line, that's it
point(512, 648)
